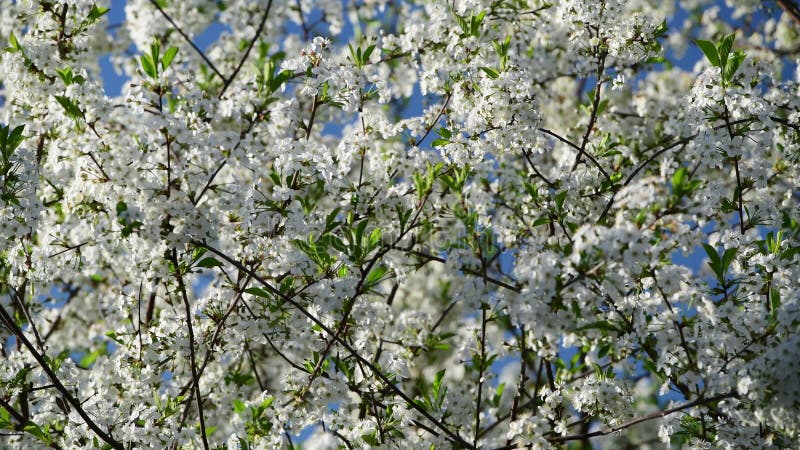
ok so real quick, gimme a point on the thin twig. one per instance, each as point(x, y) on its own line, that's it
point(579, 150)
point(480, 376)
point(790, 8)
point(192, 358)
point(390, 383)
point(189, 40)
point(106, 437)
point(638, 420)
point(436, 120)
point(247, 52)
point(595, 108)
point(477, 273)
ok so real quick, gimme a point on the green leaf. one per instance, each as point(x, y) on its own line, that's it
point(437, 383)
point(97, 12)
point(601, 107)
point(712, 253)
point(724, 48)
point(155, 50)
point(376, 275)
point(169, 55)
point(678, 179)
point(65, 74)
point(475, 23)
point(491, 73)
point(661, 29)
point(113, 336)
point(35, 430)
point(601, 325)
point(733, 65)
point(498, 394)
point(710, 50)
point(775, 299)
point(239, 406)
point(374, 239)
point(70, 107)
point(12, 40)
point(355, 56)
point(656, 60)
point(365, 56)
point(716, 263)
point(258, 292)
point(727, 258)
point(209, 262)
point(10, 140)
point(89, 359)
point(5, 418)
point(148, 66)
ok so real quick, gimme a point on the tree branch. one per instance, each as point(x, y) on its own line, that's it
point(247, 52)
point(40, 358)
point(192, 358)
point(189, 40)
point(390, 383)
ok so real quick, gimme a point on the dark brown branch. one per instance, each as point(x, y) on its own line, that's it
point(476, 273)
point(230, 79)
point(390, 383)
point(480, 376)
point(106, 437)
point(192, 358)
point(638, 420)
point(790, 8)
point(189, 40)
point(436, 120)
point(579, 150)
point(595, 108)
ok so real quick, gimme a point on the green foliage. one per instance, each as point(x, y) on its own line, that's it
point(501, 47)
point(360, 57)
point(720, 55)
point(154, 62)
point(71, 107)
point(268, 76)
point(682, 186)
point(129, 226)
point(470, 25)
point(432, 396)
point(423, 182)
point(444, 137)
point(95, 13)
point(68, 77)
point(720, 263)
point(10, 140)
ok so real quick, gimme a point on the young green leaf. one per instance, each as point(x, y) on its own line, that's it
point(70, 107)
point(491, 73)
point(209, 262)
point(710, 50)
point(724, 48)
point(169, 55)
point(148, 66)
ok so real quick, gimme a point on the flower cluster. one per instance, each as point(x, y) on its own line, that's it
point(468, 224)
